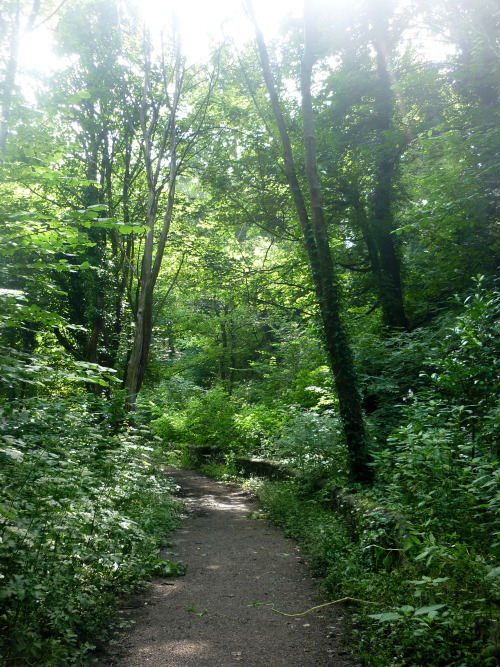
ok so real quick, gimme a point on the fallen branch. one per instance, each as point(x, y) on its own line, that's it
point(303, 613)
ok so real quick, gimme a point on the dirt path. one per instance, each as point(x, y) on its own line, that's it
point(207, 619)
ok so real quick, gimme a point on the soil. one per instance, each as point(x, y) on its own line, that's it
point(210, 617)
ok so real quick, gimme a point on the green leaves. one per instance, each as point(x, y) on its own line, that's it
point(82, 516)
point(76, 98)
point(430, 611)
point(169, 568)
point(386, 616)
point(409, 612)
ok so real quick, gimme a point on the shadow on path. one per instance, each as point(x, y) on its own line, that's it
point(210, 618)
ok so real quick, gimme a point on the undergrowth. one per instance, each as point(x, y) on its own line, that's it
point(421, 547)
point(82, 517)
point(437, 608)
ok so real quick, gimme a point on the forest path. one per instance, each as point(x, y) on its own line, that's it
point(206, 619)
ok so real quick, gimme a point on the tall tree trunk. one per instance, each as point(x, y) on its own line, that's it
point(92, 196)
point(319, 254)
point(161, 147)
point(151, 260)
point(382, 209)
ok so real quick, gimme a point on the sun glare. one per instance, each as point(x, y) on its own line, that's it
point(202, 23)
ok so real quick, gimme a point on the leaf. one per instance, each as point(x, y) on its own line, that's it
point(387, 562)
point(125, 229)
point(387, 616)
point(169, 568)
point(407, 608)
point(12, 453)
point(428, 610)
point(79, 96)
point(495, 572)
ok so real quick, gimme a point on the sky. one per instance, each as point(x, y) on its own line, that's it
point(199, 20)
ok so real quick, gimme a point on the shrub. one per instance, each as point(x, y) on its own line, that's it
point(82, 515)
point(210, 420)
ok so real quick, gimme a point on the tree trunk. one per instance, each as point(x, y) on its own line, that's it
point(319, 254)
point(151, 261)
point(162, 150)
point(382, 214)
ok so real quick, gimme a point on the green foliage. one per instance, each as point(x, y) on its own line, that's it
point(185, 413)
point(312, 442)
point(306, 519)
point(467, 376)
point(390, 373)
point(82, 515)
point(210, 420)
point(163, 408)
point(237, 336)
point(291, 371)
point(259, 426)
point(222, 468)
point(440, 467)
point(433, 612)
point(441, 463)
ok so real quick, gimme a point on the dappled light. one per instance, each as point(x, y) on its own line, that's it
point(190, 652)
point(258, 240)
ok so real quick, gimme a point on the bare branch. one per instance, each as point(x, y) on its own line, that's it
point(167, 293)
point(59, 6)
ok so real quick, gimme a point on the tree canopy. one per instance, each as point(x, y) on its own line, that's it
point(289, 249)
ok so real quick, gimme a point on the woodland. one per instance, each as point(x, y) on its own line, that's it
point(288, 251)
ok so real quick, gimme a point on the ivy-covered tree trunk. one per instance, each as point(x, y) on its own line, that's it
point(319, 254)
point(389, 149)
point(336, 339)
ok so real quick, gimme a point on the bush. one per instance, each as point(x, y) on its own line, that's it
point(163, 408)
point(82, 515)
point(441, 463)
point(210, 420)
point(313, 442)
point(259, 426)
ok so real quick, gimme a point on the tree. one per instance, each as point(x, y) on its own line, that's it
point(316, 240)
point(449, 221)
point(169, 133)
point(386, 265)
point(88, 94)
point(361, 161)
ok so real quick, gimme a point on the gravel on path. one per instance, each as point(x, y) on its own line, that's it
point(210, 617)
